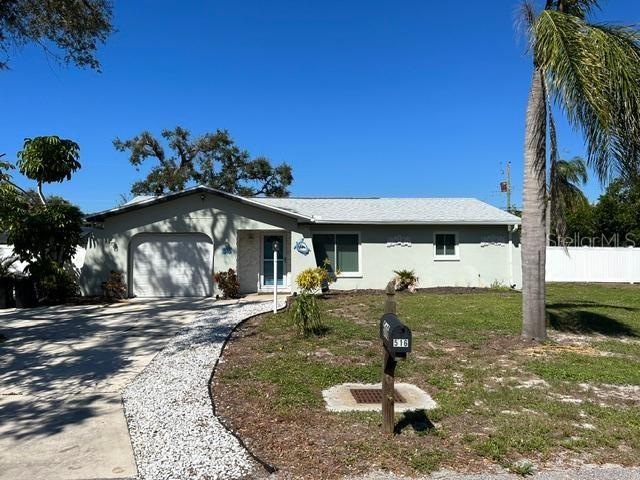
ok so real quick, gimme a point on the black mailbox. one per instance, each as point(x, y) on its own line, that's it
point(395, 336)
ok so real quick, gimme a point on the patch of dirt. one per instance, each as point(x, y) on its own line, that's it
point(544, 350)
point(623, 393)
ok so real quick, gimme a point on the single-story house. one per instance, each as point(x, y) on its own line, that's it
point(172, 244)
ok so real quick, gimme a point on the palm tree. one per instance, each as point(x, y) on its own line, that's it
point(565, 179)
point(592, 73)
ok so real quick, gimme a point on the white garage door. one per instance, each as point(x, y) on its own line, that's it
point(172, 265)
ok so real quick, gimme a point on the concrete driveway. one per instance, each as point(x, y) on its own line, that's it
point(61, 372)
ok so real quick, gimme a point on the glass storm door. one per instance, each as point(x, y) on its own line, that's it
point(267, 260)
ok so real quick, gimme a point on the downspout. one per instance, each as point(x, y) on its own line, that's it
point(510, 255)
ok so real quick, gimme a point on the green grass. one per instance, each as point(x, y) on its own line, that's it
point(468, 356)
point(582, 368)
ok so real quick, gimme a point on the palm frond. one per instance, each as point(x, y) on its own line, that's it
point(577, 8)
point(593, 74)
point(525, 19)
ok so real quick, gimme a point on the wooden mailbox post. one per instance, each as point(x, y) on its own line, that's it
point(396, 343)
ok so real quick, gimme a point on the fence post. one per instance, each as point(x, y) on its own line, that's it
point(390, 302)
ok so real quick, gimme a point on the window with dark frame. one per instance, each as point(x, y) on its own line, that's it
point(445, 245)
point(340, 249)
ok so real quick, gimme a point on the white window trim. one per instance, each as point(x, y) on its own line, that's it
point(447, 258)
point(357, 274)
point(286, 279)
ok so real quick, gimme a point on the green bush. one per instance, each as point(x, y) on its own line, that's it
point(228, 283)
point(55, 284)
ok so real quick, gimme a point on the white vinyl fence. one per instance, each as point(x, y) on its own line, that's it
point(593, 264)
point(6, 251)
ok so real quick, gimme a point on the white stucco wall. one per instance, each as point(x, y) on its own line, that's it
point(483, 256)
point(217, 217)
point(230, 222)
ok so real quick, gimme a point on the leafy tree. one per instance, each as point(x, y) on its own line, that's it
point(212, 159)
point(618, 210)
point(43, 232)
point(616, 213)
point(73, 28)
point(580, 221)
point(565, 195)
point(592, 72)
point(48, 159)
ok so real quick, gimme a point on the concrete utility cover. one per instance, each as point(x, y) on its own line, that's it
point(340, 399)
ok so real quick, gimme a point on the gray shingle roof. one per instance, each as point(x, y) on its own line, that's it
point(350, 210)
point(394, 210)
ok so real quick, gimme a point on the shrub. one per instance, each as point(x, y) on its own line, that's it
point(228, 283)
point(312, 279)
point(114, 287)
point(305, 311)
point(406, 280)
point(54, 283)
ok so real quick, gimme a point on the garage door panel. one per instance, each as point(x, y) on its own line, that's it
point(169, 265)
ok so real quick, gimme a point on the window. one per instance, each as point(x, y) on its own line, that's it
point(445, 246)
point(341, 249)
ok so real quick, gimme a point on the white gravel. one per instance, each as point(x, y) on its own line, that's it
point(173, 429)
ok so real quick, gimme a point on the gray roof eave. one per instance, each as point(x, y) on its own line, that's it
point(100, 216)
point(316, 221)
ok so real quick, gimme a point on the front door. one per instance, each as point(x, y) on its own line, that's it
point(267, 260)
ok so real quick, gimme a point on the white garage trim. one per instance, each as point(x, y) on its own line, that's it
point(171, 265)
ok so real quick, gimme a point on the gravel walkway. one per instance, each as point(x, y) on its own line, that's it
point(173, 429)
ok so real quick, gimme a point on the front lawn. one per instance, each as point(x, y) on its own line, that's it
point(500, 402)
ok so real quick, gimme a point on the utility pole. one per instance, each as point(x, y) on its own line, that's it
point(505, 187)
point(509, 186)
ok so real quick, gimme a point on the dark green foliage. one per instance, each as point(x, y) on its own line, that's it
point(73, 27)
point(46, 233)
point(305, 314)
point(212, 159)
point(55, 284)
point(228, 283)
point(618, 210)
point(48, 159)
point(617, 213)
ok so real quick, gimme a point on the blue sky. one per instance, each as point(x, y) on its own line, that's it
point(362, 98)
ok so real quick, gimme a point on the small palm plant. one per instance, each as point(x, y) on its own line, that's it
point(406, 280)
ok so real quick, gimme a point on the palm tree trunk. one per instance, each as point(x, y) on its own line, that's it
point(548, 222)
point(534, 214)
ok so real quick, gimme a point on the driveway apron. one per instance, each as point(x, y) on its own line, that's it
point(62, 370)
